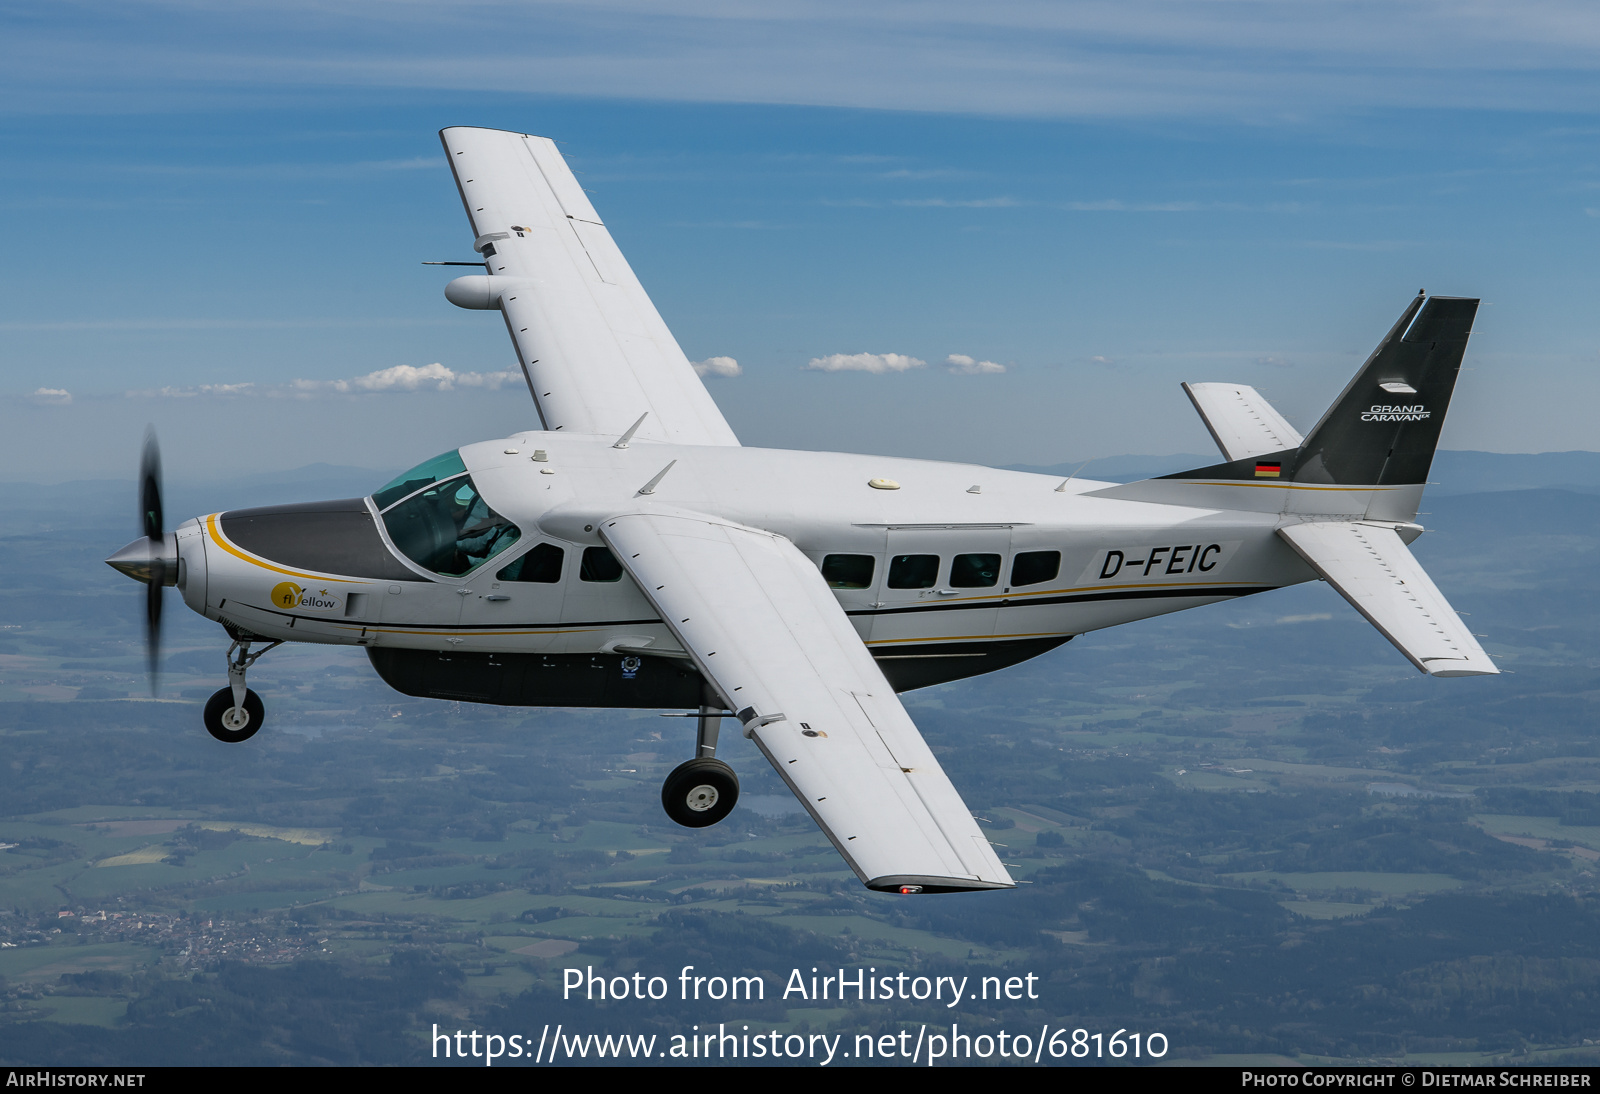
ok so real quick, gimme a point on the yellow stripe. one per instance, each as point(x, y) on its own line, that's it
point(1282, 485)
point(1141, 585)
point(217, 538)
point(474, 634)
point(967, 638)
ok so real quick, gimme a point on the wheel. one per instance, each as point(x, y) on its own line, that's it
point(700, 792)
point(228, 723)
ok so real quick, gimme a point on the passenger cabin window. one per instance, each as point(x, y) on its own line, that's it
point(1032, 567)
point(848, 571)
point(599, 564)
point(913, 571)
point(449, 528)
point(974, 571)
point(542, 564)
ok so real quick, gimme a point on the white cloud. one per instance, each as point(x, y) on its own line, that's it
point(865, 362)
point(52, 396)
point(718, 366)
point(1103, 362)
point(434, 377)
point(1274, 361)
point(1272, 58)
point(195, 391)
point(966, 366)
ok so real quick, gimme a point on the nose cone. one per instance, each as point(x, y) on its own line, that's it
point(148, 560)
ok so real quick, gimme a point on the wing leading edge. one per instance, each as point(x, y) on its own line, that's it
point(766, 631)
point(594, 350)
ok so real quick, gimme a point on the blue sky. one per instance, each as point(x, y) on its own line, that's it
point(1104, 199)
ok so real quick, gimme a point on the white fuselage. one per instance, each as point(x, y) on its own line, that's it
point(1120, 560)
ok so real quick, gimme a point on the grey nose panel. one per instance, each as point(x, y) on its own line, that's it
point(329, 537)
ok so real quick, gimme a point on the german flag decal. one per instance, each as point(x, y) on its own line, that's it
point(1268, 470)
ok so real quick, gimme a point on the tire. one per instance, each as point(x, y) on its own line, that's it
point(700, 793)
point(223, 720)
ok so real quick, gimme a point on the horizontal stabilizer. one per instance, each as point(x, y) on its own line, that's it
point(1241, 422)
point(1373, 569)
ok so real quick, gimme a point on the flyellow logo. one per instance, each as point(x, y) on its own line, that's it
point(286, 594)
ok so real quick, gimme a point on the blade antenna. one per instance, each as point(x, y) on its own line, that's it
point(622, 441)
point(1062, 489)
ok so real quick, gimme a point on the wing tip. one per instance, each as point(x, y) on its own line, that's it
point(1450, 671)
point(913, 884)
point(486, 129)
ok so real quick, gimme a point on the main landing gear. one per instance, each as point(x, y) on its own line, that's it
point(235, 713)
point(701, 791)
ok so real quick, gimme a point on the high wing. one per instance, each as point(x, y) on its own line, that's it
point(1373, 569)
point(766, 631)
point(1241, 422)
point(595, 351)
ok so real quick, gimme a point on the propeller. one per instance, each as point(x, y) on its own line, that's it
point(155, 547)
point(152, 558)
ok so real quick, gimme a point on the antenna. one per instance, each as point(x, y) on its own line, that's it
point(1062, 489)
point(622, 441)
point(650, 487)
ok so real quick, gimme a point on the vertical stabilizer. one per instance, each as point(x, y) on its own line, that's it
point(1384, 428)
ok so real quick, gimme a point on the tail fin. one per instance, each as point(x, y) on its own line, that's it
point(1383, 429)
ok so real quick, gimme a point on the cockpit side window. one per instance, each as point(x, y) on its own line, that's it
point(444, 466)
point(542, 564)
point(449, 528)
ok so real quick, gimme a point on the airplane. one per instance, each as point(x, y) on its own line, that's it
point(631, 553)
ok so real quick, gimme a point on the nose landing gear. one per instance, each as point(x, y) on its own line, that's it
point(235, 713)
point(704, 790)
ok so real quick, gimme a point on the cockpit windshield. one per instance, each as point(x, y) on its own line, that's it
point(440, 467)
point(448, 528)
